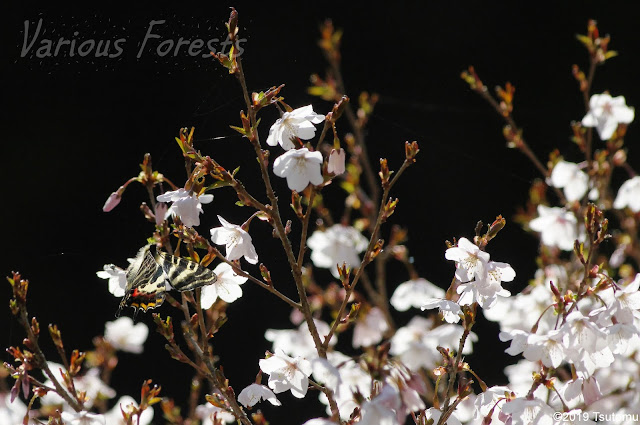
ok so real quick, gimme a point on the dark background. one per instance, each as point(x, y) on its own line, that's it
point(75, 129)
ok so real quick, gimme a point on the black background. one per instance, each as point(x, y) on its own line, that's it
point(75, 129)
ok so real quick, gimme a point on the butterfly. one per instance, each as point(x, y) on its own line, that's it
point(150, 276)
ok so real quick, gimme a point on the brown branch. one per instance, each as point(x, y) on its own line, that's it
point(274, 213)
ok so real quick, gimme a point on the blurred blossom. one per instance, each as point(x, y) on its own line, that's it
point(414, 293)
point(207, 412)
point(336, 161)
point(298, 342)
point(237, 241)
point(126, 403)
point(319, 421)
point(90, 383)
point(569, 177)
point(629, 195)
point(83, 418)
point(382, 409)
point(297, 123)
point(409, 385)
point(123, 335)
point(186, 205)
point(300, 167)
point(226, 287)
point(415, 344)
point(11, 412)
point(353, 379)
point(618, 256)
point(326, 373)
point(558, 227)
point(336, 245)
point(254, 393)
point(370, 328)
point(606, 112)
point(434, 414)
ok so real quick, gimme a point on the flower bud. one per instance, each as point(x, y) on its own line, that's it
point(336, 161)
point(112, 201)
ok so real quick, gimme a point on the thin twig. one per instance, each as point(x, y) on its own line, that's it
point(366, 259)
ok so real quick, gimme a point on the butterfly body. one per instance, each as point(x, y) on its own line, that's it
point(150, 276)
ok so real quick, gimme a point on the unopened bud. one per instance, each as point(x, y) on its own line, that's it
point(113, 200)
point(336, 163)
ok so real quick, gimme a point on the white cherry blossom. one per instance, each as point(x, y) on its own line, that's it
point(485, 291)
point(524, 411)
point(568, 177)
point(226, 287)
point(254, 393)
point(450, 310)
point(582, 389)
point(606, 112)
point(558, 227)
point(488, 400)
point(336, 245)
point(300, 167)
point(297, 123)
point(481, 279)
point(287, 373)
point(629, 195)
point(546, 348)
point(626, 303)
point(186, 205)
point(237, 241)
point(123, 335)
point(117, 279)
point(471, 262)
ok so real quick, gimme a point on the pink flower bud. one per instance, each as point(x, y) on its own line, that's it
point(336, 161)
point(160, 212)
point(112, 202)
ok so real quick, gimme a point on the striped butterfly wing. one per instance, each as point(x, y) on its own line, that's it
point(183, 274)
point(146, 285)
